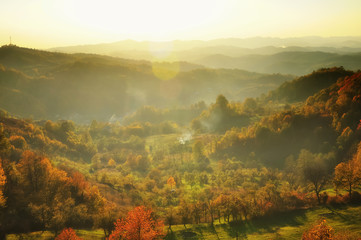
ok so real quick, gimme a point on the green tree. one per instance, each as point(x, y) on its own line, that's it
point(314, 170)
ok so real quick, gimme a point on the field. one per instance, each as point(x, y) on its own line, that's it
point(288, 225)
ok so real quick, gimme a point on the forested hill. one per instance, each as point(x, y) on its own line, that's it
point(327, 122)
point(50, 85)
point(286, 158)
point(305, 86)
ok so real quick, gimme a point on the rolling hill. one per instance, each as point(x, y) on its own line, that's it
point(297, 56)
point(87, 86)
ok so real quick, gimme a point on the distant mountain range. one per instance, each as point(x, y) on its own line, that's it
point(296, 56)
point(297, 63)
point(341, 43)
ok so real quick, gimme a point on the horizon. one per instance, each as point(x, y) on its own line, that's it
point(24, 45)
point(43, 24)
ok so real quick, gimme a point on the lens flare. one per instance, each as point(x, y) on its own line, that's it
point(165, 64)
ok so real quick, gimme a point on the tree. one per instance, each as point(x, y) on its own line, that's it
point(222, 102)
point(348, 174)
point(198, 156)
point(319, 231)
point(139, 224)
point(170, 218)
point(184, 212)
point(171, 182)
point(35, 171)
point(67, 234)
point(5, 145)
point(105, 218)
point(314, 169)
point(111, 163)
point(2, 183)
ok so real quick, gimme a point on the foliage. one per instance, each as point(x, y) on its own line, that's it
point(171, 182)
point(315, 170)
point(138, 225)
point(67, 234)
point(2, 183)
point(348, 174)
point(303, 87)
point(221, 116)
point(319, 231)
point(62, 174)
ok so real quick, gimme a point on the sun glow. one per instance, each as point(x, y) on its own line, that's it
point(154, 20)
point(44, 23)
point(165, 63)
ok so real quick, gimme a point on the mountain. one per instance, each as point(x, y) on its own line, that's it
point(83, 87)
point(183, 45)
point(297, 56)
point(297, 63)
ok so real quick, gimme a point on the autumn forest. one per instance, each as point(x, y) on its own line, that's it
point(101, 147)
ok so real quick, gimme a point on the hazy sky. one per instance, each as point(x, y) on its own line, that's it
point(50, 23)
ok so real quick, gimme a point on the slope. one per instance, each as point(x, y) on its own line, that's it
point(86, 86)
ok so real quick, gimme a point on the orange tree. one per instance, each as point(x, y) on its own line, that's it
point(138, 225)
point(68, 234)
point(2, 183)
point(319, 231)
point(348, 174)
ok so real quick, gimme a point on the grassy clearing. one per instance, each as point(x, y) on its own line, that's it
point(83, 233)
point(288, 225)
point(285, 226)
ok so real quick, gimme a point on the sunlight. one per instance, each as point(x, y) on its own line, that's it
point(155, 20)
point(165, 70)
point(165, 65)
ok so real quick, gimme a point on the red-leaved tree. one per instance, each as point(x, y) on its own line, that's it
point(138, 225)
point(68, 234)
point(319, 231)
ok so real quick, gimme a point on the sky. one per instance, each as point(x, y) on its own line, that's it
point(52, 23)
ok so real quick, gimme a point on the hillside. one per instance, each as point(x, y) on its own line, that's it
point(83, 87)
point(303, 87)
point(228, 171)
point(328, 121)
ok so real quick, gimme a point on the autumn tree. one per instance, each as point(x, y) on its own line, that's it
point(35, 171)
point(170, 218)
point(2, 183)
point(184, 212)
point(68, 234)
point(348, 174)
point(319, 231)
point(5, 145)
point(171, 182)
point(139, 224)
point(105, 218)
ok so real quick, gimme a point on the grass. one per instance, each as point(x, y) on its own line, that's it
point(46, 235)
point(288, 225)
